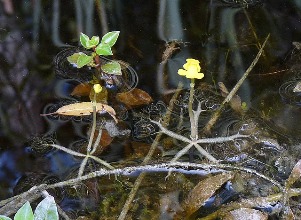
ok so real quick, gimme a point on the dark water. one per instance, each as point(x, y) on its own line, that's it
point(224, 35)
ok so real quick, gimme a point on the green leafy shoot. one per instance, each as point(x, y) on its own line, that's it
point(102, 48)
point(107, 41)
point(112, 67)
point(87, 43)
point(80, 59)
point(110, 38)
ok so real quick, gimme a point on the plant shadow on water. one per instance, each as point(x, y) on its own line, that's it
point(148, 163)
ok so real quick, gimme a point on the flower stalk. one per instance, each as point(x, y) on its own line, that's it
point(193, 121)
point(192, 70)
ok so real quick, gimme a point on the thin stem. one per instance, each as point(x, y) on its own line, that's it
point(205, 153)
point(97, 141)
point(93, 125)
point(193, 121)
point(181, 152)
point(82, 166)
point(170, 133)
point(82, 155)
point(101, 162)
point(220, 139)
point(74, 153)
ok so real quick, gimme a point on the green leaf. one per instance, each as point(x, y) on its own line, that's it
point(83, 60)
point(112, 68)
point(94, 41)
point(103, 49)
point(46, 209)
point(84, 39)
point(110, 38)
point(24, 213)
point(2, 217)
point(73, 58)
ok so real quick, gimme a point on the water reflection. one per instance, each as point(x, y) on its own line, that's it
point(225, 35)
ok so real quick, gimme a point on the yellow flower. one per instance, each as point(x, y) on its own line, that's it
point(97, 88)
point(191, 69)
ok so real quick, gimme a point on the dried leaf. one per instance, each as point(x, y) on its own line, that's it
point(245, 214)
point(223, 88)
point(82, 89)
point(106, 139)
point(135, 97)
point(235, 102)
point(295, 175)
point(203, 191)
point(83, 108)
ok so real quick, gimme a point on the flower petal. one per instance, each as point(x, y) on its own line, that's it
point(192, 61)
point(191, 69)
point(182, 72)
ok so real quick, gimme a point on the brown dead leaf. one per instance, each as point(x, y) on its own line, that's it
point(135, 97)
point(295, 175)
point(235, 102)
point(83, 108)
point(245, 214)
point(203, 191)
point(245, 203)
point(106, 139)
point(223, 89)
point(82, 89)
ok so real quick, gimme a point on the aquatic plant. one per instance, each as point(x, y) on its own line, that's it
point(99, 48)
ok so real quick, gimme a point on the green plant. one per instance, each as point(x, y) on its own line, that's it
point(99, 48)
point(46, 209)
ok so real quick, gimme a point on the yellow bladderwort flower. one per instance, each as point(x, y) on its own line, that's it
point(97, 88)
point(191, 69)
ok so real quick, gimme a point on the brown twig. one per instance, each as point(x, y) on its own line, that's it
point(218, 112)
point(138, 181)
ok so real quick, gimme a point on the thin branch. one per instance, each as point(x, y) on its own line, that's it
point(150, 153)
point(74, 153)
point(101, 161)
point(220, 139)
point(170, 133)
point(181, 152)
point(82, 166)
point(205, 153)
point(182, 167)
point(217, 113)
point(82, 155)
